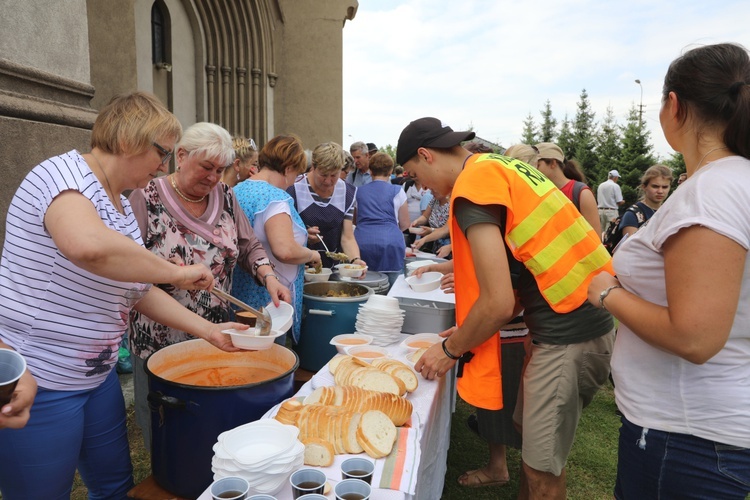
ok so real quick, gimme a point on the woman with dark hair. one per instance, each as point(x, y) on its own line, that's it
point(681, 357)
point(567, 176)
point(277, 224)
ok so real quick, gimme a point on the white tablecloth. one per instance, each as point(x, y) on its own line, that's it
point(433, 402)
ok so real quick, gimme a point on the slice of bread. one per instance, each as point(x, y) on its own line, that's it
point(318, 452)
point(376, 433)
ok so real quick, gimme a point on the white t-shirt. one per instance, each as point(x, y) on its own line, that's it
point(287, 271)
point(656, 389)
point(609, 194)
point(67, 323)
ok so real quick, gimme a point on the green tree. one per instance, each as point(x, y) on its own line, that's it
point(565, 138)
point(608, 148)
point(547, 131)
point(636, 156)
point(389, 150)
point(530, 134)
point(584, 129)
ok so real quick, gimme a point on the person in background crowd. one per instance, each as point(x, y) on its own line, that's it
point(326, 204)
point(348, 165)
point(371, 149)
point(189, 218)
point(654, 187)
point(278, 226)
point(496, 427)
point(382, 216)
point(245, 163)
point(567, 176)
point(414, 193)
point(434, 221)
point(495, 199)
point(682, 178)
point(609, 198)
point(398, 175)
point(73, 267)
point(361, 174)
point(681, 357)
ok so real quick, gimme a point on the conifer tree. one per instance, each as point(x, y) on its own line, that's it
point(608, 148)
point(529, 135)
point(547, 130)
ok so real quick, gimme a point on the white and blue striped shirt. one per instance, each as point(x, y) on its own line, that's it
point(66, 322)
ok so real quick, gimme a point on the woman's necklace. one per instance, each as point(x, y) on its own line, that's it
point(705, 155)
point(179, 193)
point(115, 199)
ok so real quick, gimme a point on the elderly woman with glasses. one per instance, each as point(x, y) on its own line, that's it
point(73, 268)
point(189, 217)
point(245, 164)
point(326, 204)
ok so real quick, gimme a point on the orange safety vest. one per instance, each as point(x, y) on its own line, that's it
point(544, 231)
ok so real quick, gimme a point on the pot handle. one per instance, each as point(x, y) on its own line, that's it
point(159, 400)
point(321, 312)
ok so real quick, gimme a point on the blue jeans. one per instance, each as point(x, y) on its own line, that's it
point(661, 465)
point(69, 430)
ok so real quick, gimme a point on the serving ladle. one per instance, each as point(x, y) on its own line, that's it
point(263, 321)
point(341, 257)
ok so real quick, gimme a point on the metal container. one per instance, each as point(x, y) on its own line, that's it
point(325, 315)
point(373, 279)
point(187, 416)
point(426, 316)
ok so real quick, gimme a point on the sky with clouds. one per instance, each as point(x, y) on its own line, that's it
point(487, 64)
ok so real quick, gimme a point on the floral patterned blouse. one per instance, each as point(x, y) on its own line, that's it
point(220, 239)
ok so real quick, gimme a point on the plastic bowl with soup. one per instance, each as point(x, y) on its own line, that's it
point(420, 340)
point(346, 340)
point(350, 270)
point(367, 353)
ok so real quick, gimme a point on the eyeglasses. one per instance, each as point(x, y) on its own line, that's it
point(167, 154)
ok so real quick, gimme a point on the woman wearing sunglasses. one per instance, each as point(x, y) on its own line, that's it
point(245, 164)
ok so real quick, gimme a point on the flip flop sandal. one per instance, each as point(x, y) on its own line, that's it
point(479, 479)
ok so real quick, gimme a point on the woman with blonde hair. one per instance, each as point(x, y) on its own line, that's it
point(654, 188)
point(245, 163)
point(326, 204)
point(73, 269)
point(270, 210)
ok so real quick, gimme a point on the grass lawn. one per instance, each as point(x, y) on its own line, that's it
point(591, 466)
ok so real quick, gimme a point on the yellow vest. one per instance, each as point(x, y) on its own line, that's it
point(544, 231)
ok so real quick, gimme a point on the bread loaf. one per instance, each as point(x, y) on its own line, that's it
point(399, 370)
point(353, 398)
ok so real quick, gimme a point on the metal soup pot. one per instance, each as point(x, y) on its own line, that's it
point(196, 392)
point(328, 309)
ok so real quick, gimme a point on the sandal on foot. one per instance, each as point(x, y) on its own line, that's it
point(479, 479)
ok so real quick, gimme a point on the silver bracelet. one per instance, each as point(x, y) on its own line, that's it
point(604, 295)
point(265, 278)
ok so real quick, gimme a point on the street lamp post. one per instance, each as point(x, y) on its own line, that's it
point(640, 107)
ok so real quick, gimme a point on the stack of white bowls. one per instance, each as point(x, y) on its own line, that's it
point(264, 452)
point(381, 318)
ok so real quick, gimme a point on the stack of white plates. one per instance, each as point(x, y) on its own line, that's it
point(381, 318)
point(264, 452)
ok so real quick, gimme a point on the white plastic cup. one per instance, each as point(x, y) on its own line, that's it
point(357, 468)
point(352, 488)
point(262, 497)
point(230, 488)
point(12, 366)
point(305, 481)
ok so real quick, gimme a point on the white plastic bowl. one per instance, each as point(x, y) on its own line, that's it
point(425, 283)
point(351, 270)
point(323, 275)
point(367, 353)
point(417, 230)
point(282, 317)
point(419, 340)
point(346, 340)
point(248, 339)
